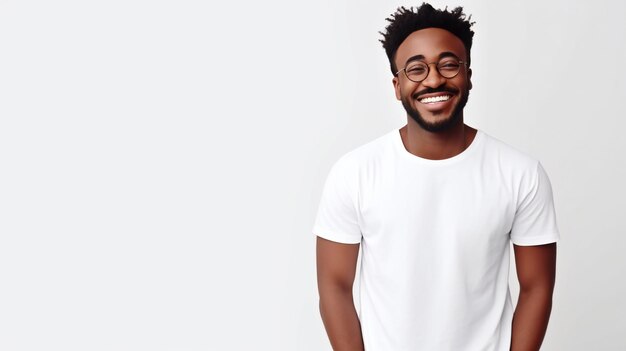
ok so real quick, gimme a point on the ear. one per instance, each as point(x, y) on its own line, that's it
point(396, 87)
point(469, 79)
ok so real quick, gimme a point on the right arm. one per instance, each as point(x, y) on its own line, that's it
point(336, 267)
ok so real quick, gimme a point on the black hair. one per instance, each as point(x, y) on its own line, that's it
point(406, 21)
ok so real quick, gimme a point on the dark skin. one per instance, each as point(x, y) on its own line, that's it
point(336, 267)
point(336, 262)
point(431, 43)
point(536, 271)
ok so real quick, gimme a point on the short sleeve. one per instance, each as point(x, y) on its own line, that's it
point(337, 214)
point(535, 217)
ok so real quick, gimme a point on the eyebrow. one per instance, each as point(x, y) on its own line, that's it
point(421, 57)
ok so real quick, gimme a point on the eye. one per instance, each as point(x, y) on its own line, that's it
point(449, 65)
point(417, 69)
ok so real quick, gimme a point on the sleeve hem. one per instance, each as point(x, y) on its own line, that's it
point(336, 237)
point(536, 240)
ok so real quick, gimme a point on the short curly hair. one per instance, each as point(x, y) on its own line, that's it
point(406, 21)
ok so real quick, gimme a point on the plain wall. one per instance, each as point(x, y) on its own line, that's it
point(161, 162)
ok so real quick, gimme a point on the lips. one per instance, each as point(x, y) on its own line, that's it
point(436, 101)
point(434, 98)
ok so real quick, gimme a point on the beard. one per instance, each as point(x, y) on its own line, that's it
point(443, 124)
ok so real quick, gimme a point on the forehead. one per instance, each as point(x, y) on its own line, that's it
point(429, 42)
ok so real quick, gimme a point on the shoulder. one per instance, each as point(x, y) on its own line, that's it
point(368, 154)
point(520, 172)
point(508, 157)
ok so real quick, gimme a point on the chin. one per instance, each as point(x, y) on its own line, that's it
point(438, 123)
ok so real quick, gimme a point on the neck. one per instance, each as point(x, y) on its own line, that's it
point(436, 145)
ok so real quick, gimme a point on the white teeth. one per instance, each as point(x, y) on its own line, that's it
point(430, 100)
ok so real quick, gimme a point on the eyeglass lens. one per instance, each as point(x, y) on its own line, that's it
point(418, 71)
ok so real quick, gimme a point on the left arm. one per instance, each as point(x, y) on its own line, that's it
point(536, 268)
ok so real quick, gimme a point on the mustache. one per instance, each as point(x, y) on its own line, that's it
point(433, 90)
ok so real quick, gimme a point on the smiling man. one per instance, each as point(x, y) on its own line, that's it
point(434, 206)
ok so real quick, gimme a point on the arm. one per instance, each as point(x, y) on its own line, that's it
point(536, 268)
point(336, 266)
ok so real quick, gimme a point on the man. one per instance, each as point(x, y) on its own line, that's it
point(433, 207)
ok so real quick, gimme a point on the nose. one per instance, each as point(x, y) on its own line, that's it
point(433, 79)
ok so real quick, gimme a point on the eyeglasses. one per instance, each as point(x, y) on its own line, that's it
point(417, 71)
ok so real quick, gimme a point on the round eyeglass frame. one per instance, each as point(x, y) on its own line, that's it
point(428, 71)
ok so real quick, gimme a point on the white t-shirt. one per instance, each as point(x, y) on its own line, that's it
point(434, 239)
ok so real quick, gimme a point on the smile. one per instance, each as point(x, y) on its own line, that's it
point(434, 99)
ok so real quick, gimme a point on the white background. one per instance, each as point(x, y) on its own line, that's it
point(161, 162)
